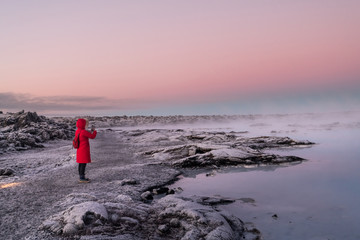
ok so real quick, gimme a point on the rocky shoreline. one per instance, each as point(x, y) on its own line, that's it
point(26, 130)
point(128, 198)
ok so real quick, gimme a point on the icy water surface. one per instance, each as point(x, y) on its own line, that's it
point(317, 199)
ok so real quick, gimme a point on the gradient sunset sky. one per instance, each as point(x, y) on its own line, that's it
point(166, 57)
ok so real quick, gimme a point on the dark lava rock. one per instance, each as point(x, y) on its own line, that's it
point(171, 191)
point(25, 119)
point(146, 196)
point(6, 172)
point(26, 130)
point(163, 228)
point(214, 200)
point(128, 182)
point(161, 190)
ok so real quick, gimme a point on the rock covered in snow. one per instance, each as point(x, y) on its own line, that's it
point(197, 148)
point(123, 198)
point(73, 220)
point(171, 217)
point(196, 221)
point(111, 216)
point(201, 149)
point(266, 142)
point(146, 196)
point(26, 130)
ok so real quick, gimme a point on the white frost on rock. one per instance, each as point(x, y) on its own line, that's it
point(168, 218)
point(162, 156)
point(71, 221)
point(199, 220)
point(123, 198)
point(180, 151)
point(232, 154)
point(134, 210)
point(200, 149)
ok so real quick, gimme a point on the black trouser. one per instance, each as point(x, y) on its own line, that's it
point(82, 167)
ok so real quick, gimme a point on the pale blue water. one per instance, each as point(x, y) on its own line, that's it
point(317, 199)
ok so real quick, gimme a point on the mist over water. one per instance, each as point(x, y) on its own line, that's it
point(308, 199)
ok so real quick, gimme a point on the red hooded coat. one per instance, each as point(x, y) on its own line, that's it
point(83, 152)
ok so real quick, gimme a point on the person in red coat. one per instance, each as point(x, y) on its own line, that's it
point(83, 152)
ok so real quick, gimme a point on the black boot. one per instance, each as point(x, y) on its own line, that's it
point(83, 179)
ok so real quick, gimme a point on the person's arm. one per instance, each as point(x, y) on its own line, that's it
point(90, 135)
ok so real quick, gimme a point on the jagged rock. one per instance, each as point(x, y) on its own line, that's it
point(216, 155)
point(264, 142)
point(130, 221)
point(94, 218)
point(25, 119)
point(114, 218)
point(199, 221)
point(3, 144)
point(219, 149)
point(26, 130)
point(192, 151)
point(174, 223)
point(147, 196)
point(6, 172)
point(52, 226)
point(161, 190)
point(214, 200)
point(128, 182)
point(69, 229)
point(171, 191)
point(135, 210)
point(247, 200)
point(44, 135)
point(169, 218)
point(123, 198)
point(163, 228)
point(74, 219)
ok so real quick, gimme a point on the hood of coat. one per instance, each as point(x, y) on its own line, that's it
point(81, 123)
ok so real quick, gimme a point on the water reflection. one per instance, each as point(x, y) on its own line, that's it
point(309, 198)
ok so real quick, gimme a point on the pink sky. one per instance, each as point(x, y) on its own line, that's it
point(177, 51)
